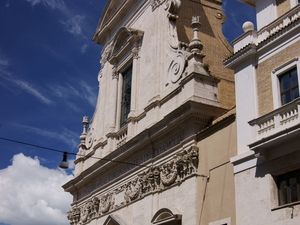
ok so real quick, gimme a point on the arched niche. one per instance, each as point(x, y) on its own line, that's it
point(165, 216)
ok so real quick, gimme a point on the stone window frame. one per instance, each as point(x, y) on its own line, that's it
point(125, 49)
point(123, 112)
point(166, 216)
point(285, 178)
point(113, 220)
point(276, 73)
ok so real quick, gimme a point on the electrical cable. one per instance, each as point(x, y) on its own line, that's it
point(70, 153)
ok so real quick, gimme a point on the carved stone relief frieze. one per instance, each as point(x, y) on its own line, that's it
point(154, 179)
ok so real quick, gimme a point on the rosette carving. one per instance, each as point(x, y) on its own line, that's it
point(177, 67)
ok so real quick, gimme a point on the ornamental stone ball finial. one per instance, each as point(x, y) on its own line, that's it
point(248, 26)
point(195, 45)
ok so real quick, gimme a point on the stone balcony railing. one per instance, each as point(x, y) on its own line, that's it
point(278, 120)
point(256, 37)
point(121, 136)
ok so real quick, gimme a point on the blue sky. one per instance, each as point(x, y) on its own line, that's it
point(48, 82)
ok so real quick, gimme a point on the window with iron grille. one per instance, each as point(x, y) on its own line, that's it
point(126, 95)
point(289, 187)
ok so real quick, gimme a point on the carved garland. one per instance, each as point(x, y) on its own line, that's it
point(152, 180)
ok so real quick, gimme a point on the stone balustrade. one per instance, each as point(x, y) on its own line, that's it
point(277, 120)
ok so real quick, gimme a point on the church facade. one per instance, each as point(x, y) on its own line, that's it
point(158, 148)
point(186, 129)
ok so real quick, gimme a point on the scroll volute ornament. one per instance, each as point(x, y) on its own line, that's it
point(173, 7)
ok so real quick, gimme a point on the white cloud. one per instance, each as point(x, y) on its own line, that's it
point(4, 62)
point(83, 48)
point(83, 91)
point(32, 194)
point(65, 135)
point(4, 73)
point(88, 93)
point(53, 4)
point(33, 91)
point(73, 24)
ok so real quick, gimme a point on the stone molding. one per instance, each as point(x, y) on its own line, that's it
point(156, 3)
point(154, 179)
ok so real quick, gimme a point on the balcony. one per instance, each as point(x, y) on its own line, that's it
point(277, 124)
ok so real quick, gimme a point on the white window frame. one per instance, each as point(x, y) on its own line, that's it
point(295, 62)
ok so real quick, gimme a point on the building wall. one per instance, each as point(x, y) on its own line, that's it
point(153, 91)
point(204, 196)
point(267, 131)
point(216, 48)
point(175, 149)
point(264, 75)
point(257, 192)
point(142, 211)
point(282, 6)
point(216, 147)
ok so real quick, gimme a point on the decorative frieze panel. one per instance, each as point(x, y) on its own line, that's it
point(154, 179)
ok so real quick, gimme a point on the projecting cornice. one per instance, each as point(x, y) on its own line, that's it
point(241, 55)
point(115, 14)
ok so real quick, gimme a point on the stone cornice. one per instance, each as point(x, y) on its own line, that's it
point(157, 178)
point(239, 56)
point(107, 27)
point(140, 147)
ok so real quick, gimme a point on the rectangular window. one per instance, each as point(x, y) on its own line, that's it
point(289, 88)
point(289, 187)
point(126, 95)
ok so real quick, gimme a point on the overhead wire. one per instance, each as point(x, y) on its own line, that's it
point(70, 153)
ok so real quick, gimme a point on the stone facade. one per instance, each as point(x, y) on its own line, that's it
point(165, 161)
point(267, 165)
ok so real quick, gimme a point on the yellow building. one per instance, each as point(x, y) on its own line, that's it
point(267, 67)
